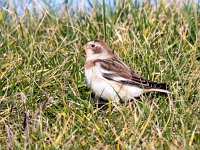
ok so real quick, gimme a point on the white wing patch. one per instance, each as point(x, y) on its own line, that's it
point(113, 75)
point(118, 78)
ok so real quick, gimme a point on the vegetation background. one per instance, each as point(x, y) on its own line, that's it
point(44, 102)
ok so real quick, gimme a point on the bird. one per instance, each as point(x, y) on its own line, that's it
point(110, 78)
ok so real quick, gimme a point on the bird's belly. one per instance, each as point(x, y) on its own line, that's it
point(99, 85)
point(107, 89)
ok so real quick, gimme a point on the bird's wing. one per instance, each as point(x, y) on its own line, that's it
point(114, 69)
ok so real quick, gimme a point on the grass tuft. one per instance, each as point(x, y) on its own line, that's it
point(43, 96)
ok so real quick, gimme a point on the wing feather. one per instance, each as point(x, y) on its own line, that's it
point(114, 69)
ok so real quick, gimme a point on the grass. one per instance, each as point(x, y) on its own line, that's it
point(43, 96)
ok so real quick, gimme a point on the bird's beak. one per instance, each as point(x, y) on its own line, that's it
point(84, 47)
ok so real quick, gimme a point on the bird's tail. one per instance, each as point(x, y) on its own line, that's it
point(157, 87)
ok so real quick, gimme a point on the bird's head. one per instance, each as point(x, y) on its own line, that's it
point(97, 50)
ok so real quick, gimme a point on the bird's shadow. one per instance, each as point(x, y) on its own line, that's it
point(98, 102)
point(103, 104)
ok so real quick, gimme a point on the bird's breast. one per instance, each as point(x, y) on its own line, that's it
point(88, 75)
point(89, 64)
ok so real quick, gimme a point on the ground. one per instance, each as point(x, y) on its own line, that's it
point(44, 100)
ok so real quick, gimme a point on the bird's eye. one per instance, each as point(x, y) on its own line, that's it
point(93, 45)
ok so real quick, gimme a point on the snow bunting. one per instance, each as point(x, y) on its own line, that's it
point(110, 78)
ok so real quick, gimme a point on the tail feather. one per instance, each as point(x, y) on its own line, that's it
point(158, 87)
